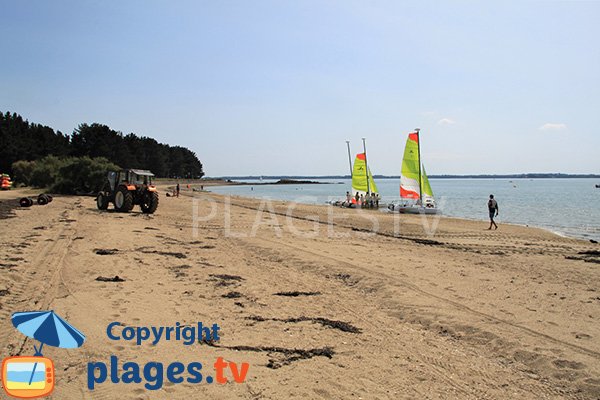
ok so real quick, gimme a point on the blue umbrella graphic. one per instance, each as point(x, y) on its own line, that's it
point(48, 328)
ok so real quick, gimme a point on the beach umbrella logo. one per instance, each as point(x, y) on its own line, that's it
point(30, 377)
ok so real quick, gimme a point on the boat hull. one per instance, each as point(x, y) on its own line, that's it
point(413, 209)
point(341, 203)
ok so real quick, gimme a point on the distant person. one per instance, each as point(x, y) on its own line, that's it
point(493, 209)
point(201, 187)
point(362, 200)
point(348, 198)
point(357, 198)
point(377, 200)
point(367, 200)
point(177, 190)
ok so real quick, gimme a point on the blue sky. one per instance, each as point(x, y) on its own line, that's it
point(276, 87)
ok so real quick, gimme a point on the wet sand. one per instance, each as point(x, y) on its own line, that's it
point(318, 309)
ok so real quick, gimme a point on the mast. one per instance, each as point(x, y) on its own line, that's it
point(349, 157)
point(420, 176)
point(366, 166)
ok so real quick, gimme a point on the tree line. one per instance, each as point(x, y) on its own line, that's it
point(21, 140)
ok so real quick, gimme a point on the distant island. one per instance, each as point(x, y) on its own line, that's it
point(286, 179)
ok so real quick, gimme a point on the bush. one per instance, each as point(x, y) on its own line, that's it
point(22, 171)
point(45, 171)
point(71, 175)
point(82, 175)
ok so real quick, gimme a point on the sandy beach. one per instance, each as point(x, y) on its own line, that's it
point(322, 302)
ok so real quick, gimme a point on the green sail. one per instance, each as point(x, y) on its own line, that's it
point(372, 183)
point(409, 178)
point(359, 177)
point(427, 192)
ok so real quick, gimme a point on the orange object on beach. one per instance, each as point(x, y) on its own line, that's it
point(5, 182)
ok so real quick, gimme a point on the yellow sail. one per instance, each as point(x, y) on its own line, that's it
point(359, 177)
point(427, 192)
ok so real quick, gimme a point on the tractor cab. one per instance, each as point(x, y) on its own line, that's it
point(137, 177)
point(131, 177)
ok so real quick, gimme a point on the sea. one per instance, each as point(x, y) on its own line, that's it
point(566, 206)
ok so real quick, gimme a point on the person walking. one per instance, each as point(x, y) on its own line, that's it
point(493, 209)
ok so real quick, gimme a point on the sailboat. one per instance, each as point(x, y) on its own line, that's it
point(362, 180)
point(414, 184)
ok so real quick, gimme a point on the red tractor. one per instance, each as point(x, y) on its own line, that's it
point(127, 188)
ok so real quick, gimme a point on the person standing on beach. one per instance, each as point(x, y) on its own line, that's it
point(177, 190)
point(493, 209)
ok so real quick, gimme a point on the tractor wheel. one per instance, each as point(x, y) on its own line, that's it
point(102, 201)
point(123, 200)
point(42, 200)
point(150, 203)
point(25, 202)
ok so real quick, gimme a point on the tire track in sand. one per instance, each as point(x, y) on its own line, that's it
point(444, 370)
point(44, 270)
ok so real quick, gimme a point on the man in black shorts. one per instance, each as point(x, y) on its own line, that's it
point(493, 209)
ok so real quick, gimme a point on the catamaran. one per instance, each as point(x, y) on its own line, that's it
point(415, 190)
point(362, 181)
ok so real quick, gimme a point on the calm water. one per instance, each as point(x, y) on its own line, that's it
point(566, 206)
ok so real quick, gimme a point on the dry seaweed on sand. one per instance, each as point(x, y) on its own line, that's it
point(116, 278)
point(328, 323)
point(296, 294)
point(105, 252)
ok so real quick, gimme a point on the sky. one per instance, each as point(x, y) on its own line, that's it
point(277, 87)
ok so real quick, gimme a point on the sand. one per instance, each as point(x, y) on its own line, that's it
point(406, 312)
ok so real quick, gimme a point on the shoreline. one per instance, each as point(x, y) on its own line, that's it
point(167, 186)
point(482, 220)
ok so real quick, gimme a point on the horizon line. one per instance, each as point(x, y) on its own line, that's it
point(540, 175)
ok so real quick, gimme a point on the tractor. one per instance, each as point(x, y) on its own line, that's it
point(127, 188)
